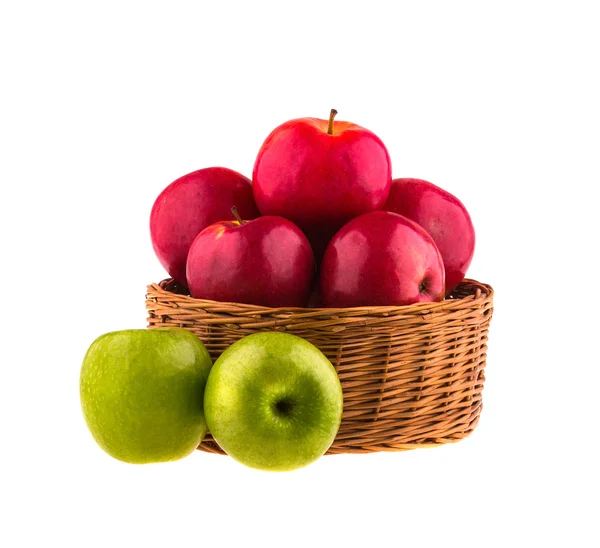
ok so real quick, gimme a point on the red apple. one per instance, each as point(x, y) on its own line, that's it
point(381, 258)
point(319, 174)
point(190, 204)
point(443, 216)
point(267, 261)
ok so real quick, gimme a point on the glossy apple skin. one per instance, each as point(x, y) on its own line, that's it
point(321, 181)
point(267, 261)
point(142, 393)
point(190, 204)
point(381, 259)
point(443, 216)
point(273, 402)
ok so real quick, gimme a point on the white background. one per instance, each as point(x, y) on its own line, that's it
point(105, 103)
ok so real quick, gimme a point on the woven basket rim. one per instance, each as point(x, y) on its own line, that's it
point(476, 292)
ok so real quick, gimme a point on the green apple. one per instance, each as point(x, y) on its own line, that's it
point(273, 401)
point(142, 393)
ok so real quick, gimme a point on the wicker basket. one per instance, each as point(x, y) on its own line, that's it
point(412, 376)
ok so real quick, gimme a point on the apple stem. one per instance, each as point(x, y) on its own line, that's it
point(237, 215)
point(331, 117)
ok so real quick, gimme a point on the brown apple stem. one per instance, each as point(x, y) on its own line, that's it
point(236, 215)
point(331, 117)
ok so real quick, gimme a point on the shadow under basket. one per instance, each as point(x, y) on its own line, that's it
point(412, 376)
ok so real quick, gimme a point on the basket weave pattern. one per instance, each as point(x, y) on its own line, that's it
point(412, 376)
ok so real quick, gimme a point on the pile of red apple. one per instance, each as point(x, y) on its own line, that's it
point(322, 223)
